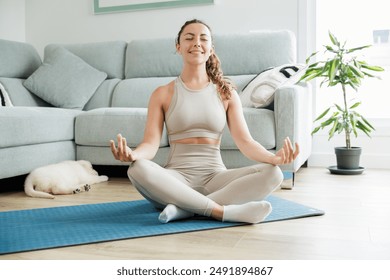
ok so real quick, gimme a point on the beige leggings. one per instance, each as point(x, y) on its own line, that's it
point(195, 179)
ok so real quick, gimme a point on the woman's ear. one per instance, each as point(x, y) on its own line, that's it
point(212, 50)
point(178, 49)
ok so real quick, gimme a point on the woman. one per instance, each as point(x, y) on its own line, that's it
point(195, 108)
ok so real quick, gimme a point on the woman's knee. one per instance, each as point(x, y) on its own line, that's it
point(137, 168)
point(271, 174)
point(275, 174)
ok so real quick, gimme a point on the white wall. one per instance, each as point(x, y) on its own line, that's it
point(375, 154)
point(73, 21)
point(12, 20)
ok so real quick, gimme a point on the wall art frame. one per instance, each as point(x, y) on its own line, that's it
point(115, 6)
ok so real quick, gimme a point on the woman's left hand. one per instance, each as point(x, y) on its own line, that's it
point(286, 154)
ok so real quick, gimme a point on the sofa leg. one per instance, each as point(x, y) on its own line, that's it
point(288, 181)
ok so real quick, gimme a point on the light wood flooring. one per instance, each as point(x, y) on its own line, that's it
point(356, 224)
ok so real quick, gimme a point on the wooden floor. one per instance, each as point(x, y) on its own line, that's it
point(356, 224)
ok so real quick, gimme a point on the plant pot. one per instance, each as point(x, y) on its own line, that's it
point(348, 158)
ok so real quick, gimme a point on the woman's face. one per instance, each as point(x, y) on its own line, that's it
point(195, 43)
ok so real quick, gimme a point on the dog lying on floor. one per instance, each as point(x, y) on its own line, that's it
point(67, 177)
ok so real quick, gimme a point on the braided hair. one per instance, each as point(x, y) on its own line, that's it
point(213, 67)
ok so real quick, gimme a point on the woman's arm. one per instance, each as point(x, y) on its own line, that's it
point(148, 148)
point(247, 145)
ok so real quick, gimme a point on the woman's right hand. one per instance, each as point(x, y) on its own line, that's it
point(122, 152)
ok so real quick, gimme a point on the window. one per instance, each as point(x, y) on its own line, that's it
point(359, 23)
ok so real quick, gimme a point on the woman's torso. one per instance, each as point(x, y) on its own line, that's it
point(194, 116)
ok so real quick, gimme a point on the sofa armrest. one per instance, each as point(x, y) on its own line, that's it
point(293, 118)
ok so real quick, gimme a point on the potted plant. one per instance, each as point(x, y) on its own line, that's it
point(342, 68)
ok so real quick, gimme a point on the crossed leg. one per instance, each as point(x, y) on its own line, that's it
point(232, 192)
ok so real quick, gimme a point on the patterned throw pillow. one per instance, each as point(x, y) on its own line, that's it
point(259, 92)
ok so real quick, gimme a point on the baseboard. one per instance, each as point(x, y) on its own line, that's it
point(366, 160)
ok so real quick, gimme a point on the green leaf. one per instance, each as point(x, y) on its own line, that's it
point(333, 69)
point(353, 85)
point(330, 49)
point(308, 59)
point(315, 130)
point(367, 122)
point(339, 108)
point(355, 105)
point(334, 39)
point(313, 65)
point(340, 128)
point(358, 48)
point(363, 128)
point(356, 71)
point(327, 122)
point(369, 75)
point(332, 131)
point(322, 115)
point(353, 124)
point(373, 67)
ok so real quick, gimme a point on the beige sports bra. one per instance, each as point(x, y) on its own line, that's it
point(195, 113)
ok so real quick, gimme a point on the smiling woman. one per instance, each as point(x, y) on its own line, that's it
point(195, 107)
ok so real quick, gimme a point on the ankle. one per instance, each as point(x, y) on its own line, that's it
point(217, 212)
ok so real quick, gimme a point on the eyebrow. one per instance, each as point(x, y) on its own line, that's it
point(192, 34)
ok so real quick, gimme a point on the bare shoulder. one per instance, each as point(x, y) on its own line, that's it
point(234, 100)
point(163, 94)
point(164, 89)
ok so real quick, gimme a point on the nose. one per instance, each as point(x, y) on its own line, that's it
point(197, 43)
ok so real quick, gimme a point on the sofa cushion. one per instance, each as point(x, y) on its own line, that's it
point(136, 92)
point(152, 58)
point(65, 80)
point(103, 95)
point(35, 125)
point(18, 60)
point(261, 123)
point(158, 58)
point(108, 57)
point(266, 48)
point(19, 95)
point(240, 81)
point(97, 127)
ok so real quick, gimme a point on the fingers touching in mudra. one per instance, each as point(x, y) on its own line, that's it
point(286, 154)
point(122, 152)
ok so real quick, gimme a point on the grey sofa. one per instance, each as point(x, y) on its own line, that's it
point(38, 130)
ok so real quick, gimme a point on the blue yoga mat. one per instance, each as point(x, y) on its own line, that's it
point(26, 230)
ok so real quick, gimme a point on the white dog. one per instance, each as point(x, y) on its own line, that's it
point(67, 177)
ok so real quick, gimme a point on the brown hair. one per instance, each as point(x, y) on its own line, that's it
point(213, 66)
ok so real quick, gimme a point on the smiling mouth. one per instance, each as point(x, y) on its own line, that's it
point(196, 52)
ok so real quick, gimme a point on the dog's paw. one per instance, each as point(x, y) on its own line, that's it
point(76, 191)
point(87, 187)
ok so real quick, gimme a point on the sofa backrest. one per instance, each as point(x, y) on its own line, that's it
point(108, 57)
point(240, 54)
point(18, 59)
point(154, 62)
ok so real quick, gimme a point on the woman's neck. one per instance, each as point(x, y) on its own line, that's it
point(195, 79)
